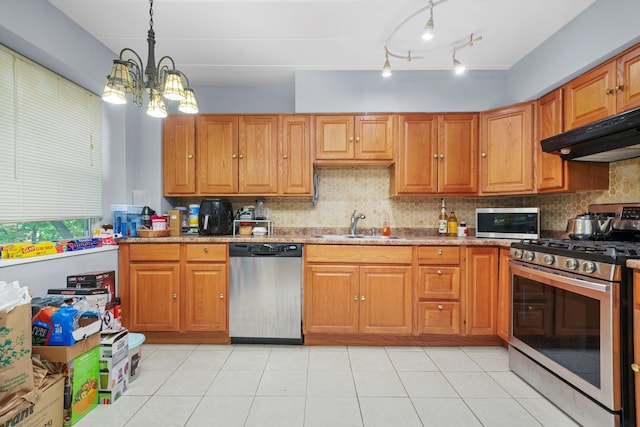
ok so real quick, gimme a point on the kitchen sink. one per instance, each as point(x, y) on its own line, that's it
point(356, 236)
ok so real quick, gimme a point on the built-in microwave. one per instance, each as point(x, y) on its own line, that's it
point(508, 223)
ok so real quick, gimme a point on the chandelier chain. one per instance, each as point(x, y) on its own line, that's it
point(151, 14)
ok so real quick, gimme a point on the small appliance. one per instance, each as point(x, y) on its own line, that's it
point(508, 223)
point(215, 217)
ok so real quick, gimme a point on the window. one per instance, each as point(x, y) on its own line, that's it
point(50, 152)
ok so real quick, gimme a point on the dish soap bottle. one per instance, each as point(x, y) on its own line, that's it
point(452, 224)
point(386, 230)
point(442, 219)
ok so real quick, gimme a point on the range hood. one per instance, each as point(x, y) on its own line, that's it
point(607, 140)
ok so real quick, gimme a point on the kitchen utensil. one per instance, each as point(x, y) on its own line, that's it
point(588, 226)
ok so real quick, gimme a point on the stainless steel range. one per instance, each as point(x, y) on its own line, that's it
point(571, 334)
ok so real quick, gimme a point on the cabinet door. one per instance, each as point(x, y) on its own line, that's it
point(441, 317)
point(458, 153)
point(385, 300)
point(504, 296)
point(295, 155)
point(258, 155)
point(331, 299)
point(205, 297)
point(334, 137)
point(217, 154)
point(590, 97)
point(506, 164)
point(178, 156)
point(439, 282)
point(374, 137)
point(154, 297)
point(636, 339)
point(482, 291)
point(549, 167)
point(628, 86)
point(416, 167)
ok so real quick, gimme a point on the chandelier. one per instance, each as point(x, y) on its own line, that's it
point(163, 81)
point(427, 35)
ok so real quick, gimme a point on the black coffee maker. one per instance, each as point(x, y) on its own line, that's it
point(145, 216)
point(215, 217)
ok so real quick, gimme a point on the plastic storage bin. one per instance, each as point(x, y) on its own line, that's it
point(135, 354)
point(126, 219)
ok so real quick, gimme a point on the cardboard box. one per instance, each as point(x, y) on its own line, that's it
point(175, 222)
point(28, 250)
point(46, 410)
point(16, 370)
point(94, 279)
point(80, 365)
point(96, 297)
point(81, 244)
point(114, 364)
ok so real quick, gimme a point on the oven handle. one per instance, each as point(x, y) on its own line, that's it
point(561, 279)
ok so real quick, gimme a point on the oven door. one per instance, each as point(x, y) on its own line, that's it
point(569, 324)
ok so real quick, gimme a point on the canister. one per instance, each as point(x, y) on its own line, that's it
point(194, 210)
point(158, 222)
point(462, 229)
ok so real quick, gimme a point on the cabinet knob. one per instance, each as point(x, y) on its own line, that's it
point(530, 308)
point(174, 296)
point(233, 156)
point(350, 139)
point(357, 139)
point(439, 271)
point(355, 297)
point(285, 156)
point(440, 307)
point(484, 154)
point(362, 298)
point(635, 367)
point(221, 296)
point(618, 88)
point(608, 91)
point(240, 156)
point(435, 156)
point(441, 156)
point(439, 251)
point(205, 249)
point(190, 156)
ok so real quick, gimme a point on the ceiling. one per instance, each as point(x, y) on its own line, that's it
point(263, 42)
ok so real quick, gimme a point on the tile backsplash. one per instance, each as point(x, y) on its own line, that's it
point(343, 190)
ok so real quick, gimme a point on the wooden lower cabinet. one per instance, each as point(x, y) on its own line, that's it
point(636, 340)
point(504, 295)
point(357, 290)
point(178, 288)
point(481, 298)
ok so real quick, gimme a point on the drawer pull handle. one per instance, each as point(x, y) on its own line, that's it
point(285, 156)
point(234, 156)
point(635, 367)
point(205, 249)
point(439, 271)
point(608, 91)
point(435, 156)
point(440, 307)
point(174, 296)
point(441, 156)
point(221, 296)
point(439, 251)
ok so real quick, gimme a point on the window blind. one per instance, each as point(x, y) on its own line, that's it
point(50, 145)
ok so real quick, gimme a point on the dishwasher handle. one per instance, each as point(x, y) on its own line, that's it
point(289, 250)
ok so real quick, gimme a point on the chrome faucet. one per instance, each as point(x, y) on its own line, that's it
point(354, 221)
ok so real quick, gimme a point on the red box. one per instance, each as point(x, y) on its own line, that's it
point(94, 279)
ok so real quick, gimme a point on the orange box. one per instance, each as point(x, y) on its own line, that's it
point(28, 250)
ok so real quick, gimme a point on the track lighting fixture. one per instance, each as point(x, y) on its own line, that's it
point(427, 35)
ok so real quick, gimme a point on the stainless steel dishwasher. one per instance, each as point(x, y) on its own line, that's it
point(265, 293)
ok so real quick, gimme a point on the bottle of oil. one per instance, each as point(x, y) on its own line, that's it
point(442, 219)
point(452, 225)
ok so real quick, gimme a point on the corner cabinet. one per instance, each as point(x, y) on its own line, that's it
point(358, 139)
point(506, 150)
point(357, 290)
point(436, 154)
point(175, 292)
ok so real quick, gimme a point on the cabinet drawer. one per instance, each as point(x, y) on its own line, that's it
point(358, 254)
point(439, 318)
point(439, 255)
point(206, 252)
point(439, 282)
point(154, 252)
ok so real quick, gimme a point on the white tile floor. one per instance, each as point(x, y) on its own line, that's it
point(291, 386)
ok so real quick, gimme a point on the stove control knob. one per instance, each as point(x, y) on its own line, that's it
point(529, 255)
point(549, 259)
point(572, 264)
point(517, 253)
point(588, 267)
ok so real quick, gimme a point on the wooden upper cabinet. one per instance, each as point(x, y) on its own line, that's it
point(258, 155)
point(295, 155)
point(178, 155)
point(608, 89)
point(552, 173)
point(358, 138)
point(436, 154)
point(628, 87)
point(217, 154)
point(506, 150)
